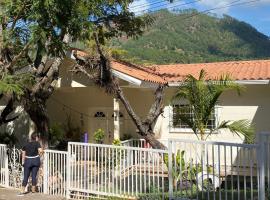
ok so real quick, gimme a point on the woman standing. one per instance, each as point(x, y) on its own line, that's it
point(31, 162)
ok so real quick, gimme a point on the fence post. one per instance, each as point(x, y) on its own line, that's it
point(68, 172)
point(261, 158)
point(170, 161)
point(13, 167)
point(45, 173)
point(6, 168)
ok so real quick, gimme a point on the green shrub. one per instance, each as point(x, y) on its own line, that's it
point(116, 142)
point(99, 136)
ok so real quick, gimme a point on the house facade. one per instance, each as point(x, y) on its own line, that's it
point(81, 105)
point(91, 108)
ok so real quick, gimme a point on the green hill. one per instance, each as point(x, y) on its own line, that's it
point(185, 37)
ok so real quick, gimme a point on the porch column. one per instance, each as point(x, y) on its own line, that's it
point(116, 120)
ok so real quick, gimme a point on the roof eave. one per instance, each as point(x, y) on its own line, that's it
point(127, 78)
point(242, 82)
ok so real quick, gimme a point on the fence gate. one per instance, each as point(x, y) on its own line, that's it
point(15, 168)
point(55, 172)
point(4, 175)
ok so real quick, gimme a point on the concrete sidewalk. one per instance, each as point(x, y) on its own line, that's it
point(9, 194)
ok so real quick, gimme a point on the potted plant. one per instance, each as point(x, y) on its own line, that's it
point(99, 136)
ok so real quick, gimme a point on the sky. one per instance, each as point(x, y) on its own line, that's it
point(254, 12)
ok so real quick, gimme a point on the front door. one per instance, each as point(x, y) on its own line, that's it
point(102, 118)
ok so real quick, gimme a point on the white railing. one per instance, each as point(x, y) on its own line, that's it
point(15, 168)
point(214, 170)
point(187, 170)
point(141, 143)
point(115, 170)
point(55, 172)
point(3, 166)
point(264, 141)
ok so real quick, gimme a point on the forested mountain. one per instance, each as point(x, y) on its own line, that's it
point(188, 37)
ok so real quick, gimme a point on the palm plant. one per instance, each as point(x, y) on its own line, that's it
point(202, 96)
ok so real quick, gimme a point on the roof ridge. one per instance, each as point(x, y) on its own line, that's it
point(133, 65)
point(207, 63)
point(145, 69)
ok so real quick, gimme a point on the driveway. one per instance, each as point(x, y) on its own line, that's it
point(10, 194)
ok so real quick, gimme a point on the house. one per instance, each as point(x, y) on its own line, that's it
point(90, 108)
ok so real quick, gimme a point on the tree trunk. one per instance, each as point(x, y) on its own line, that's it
point(150, 138)
point(144, 127)
point(37, 111)
point(110, 83)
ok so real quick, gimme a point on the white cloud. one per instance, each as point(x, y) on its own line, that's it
point(139, 6)
point(217, 4)
point(226, 3)
point(265, 1)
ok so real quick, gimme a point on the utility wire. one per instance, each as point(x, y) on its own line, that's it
point(160, 7)
point(70, 108)
point(232, 4)
point(149, 4)
point(77, 111)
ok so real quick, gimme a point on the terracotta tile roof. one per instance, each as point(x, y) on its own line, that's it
point(163, 74)
point(141, 73)
point(238, 70)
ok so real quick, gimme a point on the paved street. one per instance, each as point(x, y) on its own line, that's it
point(9, 194)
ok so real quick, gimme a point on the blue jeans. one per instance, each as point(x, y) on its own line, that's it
point(31, 165)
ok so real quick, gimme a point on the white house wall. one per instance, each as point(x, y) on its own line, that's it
point(253, 104)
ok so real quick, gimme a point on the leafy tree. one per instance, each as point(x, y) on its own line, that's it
point(36, 34)
point(12, 87)
point(202, 96)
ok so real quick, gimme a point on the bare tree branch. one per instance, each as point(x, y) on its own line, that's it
point(9, 108)
point(50, 76)
point(78, 68)
point(157, 107)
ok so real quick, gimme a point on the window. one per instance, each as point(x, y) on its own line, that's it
point(99, 114)
point(187, 111)
point(120, 115)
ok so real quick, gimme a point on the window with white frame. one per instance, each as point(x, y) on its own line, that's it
point(187, 111)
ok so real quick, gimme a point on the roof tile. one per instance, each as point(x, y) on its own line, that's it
point(238, 70)
point(163, 74)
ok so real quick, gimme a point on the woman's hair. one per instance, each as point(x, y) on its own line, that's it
point(34, 137)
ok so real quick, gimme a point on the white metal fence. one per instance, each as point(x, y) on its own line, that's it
point(3, 166)
point(15, 168)
point(264, 141)
point(187, 170)
point(141, 143)
point(55, 172)
point(115, 170)
point(214, 170)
